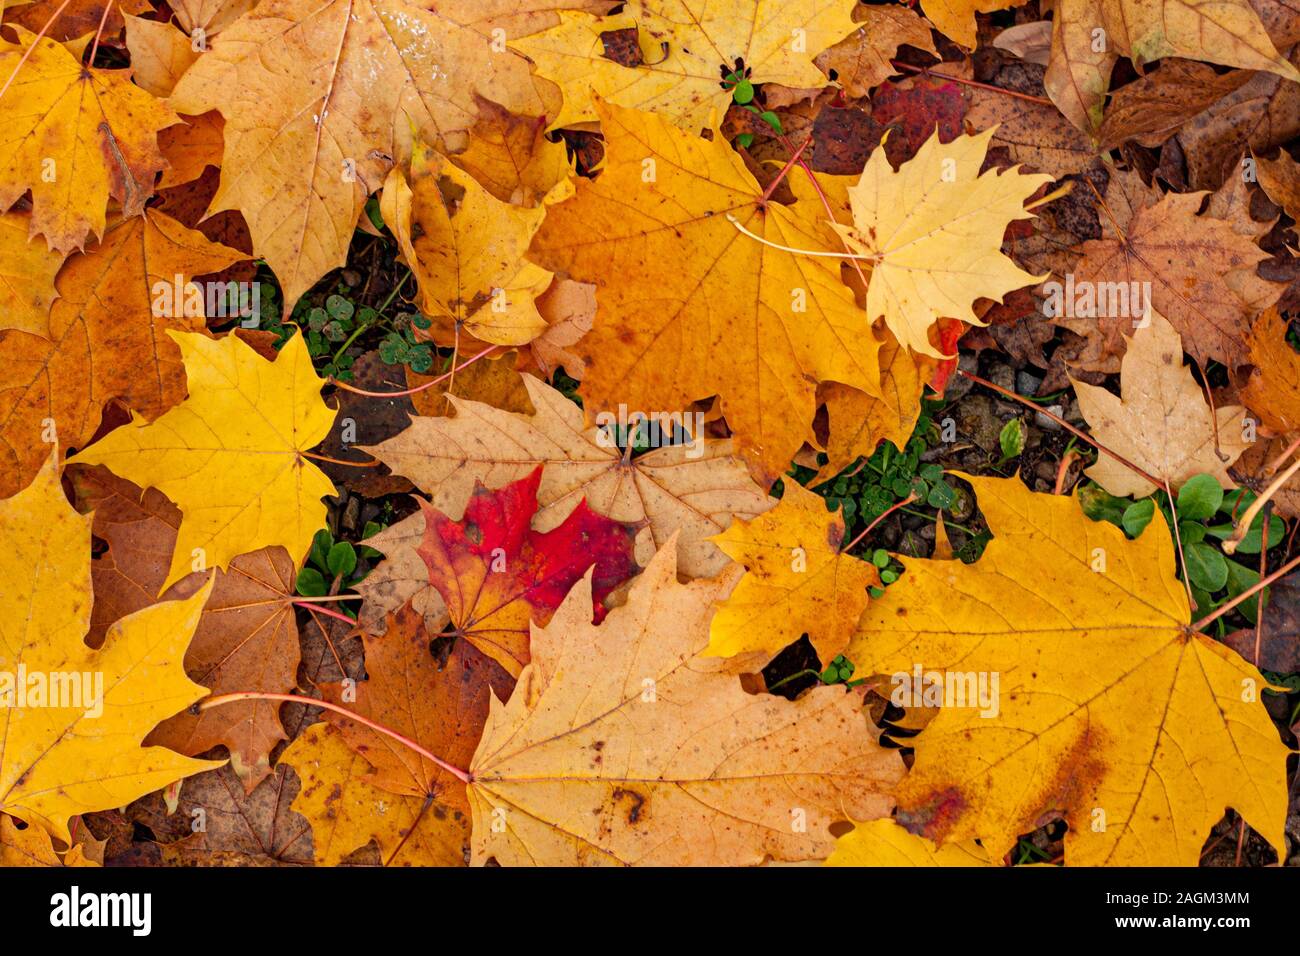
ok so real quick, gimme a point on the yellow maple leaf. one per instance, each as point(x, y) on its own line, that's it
point(797, 580)
point(74, 136)
point(347, 811)
point(1096, 701)
point(681, 49)
point(688, 306)
point(933, 231)
point(230, 455)
point(73, 717)
point(622, 745)
point(885, 843)
point(466, 248)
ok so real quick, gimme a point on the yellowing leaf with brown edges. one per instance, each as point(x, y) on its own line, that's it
point(320, 101)
point(933, 230)
point(621, 745)
point(466, 248)
point(1107, 708)
point(230, 455)
point(74, 137)
point(797, 580)
point(688, 306)
point(347, 811)
point(674, 63)
point(77, 747)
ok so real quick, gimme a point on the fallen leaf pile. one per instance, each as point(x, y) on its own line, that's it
point(666, 432)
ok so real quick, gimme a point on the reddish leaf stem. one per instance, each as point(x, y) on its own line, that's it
point(323, 610)
point(410, 391)
point(217, 701)
point(1245, 595)
point(883, 515)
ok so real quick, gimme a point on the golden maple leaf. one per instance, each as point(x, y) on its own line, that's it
point(688, 306)
point(933, 231)
point(797, 580)
point(680, 50)
point(97, 129)
point(230, 455)
point(78, 748)
point(621, 745)
point(1107, 708)
point(319, 100)
point(1163, 424)
point(466, 248)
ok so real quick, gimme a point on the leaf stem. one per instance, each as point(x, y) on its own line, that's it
point(1245, 595)
point(463, 775)
point(883, 515)
point(323, 610)
point(409, 391)
point(794, 158)
point(374, 463)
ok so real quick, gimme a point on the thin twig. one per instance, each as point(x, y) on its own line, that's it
point(1064, 424)
point(926, 71)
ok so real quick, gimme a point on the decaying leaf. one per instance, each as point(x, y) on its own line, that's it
point(621, 745)
point(1163, 423)
point(246, 638)
point(319, 102)
point(693, 487)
